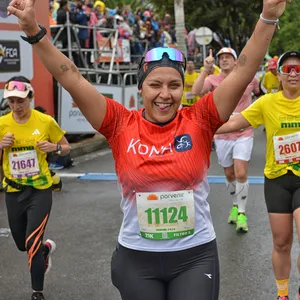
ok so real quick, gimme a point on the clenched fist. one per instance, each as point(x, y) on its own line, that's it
point(7, 140)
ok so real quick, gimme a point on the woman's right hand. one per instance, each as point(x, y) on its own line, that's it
point(7, 140)
point(25, 12)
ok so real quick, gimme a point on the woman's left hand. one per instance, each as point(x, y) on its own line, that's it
point(273, 9)
point(46, 146)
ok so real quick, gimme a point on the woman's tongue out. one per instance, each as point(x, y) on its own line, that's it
point(163, 106)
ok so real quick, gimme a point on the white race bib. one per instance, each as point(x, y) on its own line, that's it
point(287, 148)
point(23, 164)
point(166, 215)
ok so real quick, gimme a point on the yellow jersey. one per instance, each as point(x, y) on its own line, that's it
point(270, 83)
point(281, 117)
point(188, 98)
point(23, 162)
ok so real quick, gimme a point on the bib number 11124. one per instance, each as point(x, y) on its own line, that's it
point(166, 215)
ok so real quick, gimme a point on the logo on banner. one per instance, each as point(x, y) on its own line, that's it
point(2, 55)
point(10, 60)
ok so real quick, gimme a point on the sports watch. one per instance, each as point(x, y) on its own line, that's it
point(36, 38)
point(58, 149)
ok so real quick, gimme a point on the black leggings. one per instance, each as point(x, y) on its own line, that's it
point(27, 221)
point(191, 274)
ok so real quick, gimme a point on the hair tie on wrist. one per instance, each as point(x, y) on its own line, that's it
point(266, 21)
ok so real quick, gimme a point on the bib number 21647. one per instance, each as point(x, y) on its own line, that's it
point(23, 164)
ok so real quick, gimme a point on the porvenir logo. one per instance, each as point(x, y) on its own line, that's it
point(152, 197)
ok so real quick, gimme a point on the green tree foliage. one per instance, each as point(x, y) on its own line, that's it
point(287, 38)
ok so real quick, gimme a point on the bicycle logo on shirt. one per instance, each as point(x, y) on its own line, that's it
point(183, 143)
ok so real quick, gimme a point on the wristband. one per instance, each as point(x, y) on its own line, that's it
point(36, 38)
point(266, 21)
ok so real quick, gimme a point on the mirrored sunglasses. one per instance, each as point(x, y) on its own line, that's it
point(287, 69)
point(157, 54)
point(20, 86)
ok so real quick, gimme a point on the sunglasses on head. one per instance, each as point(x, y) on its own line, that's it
point(18, 85)
point(287, 69)
point(157, 54)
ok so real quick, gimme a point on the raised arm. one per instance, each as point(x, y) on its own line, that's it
point(229, 92)
point(236, 123)
point(199, 88)
point(91, 103)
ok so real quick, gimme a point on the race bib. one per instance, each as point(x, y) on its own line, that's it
point(287, 148)
point(189, 95)
point(166, 215)
point(23, 164)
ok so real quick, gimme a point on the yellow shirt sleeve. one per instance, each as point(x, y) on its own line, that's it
point(56, 133)
point(254, 113)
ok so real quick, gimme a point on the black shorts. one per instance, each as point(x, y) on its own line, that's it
point(190, 274)
point(282, 194)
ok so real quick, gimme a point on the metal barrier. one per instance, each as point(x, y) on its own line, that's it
point(106, 73)
point(72, 120)
point(103, 53)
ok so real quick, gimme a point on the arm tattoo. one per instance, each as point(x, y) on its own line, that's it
point(75, 70)
point(64, 68)
point(242, 60)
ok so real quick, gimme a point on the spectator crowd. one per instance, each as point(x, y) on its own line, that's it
point(141, 26)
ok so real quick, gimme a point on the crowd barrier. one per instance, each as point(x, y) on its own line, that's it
point(112, 71)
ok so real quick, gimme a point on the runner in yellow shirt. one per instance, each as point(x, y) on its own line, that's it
point(270, 82)
point(280, 113)
point(190, 76)
point(26, 136)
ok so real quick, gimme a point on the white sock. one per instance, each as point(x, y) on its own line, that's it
point(242, 195)
point(231, 187)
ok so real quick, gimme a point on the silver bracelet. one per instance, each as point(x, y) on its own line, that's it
point(268, 21)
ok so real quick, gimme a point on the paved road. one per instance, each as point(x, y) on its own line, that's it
point(85, 221)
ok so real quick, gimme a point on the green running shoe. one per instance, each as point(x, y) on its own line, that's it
point(241, 224)
point(233, 216)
